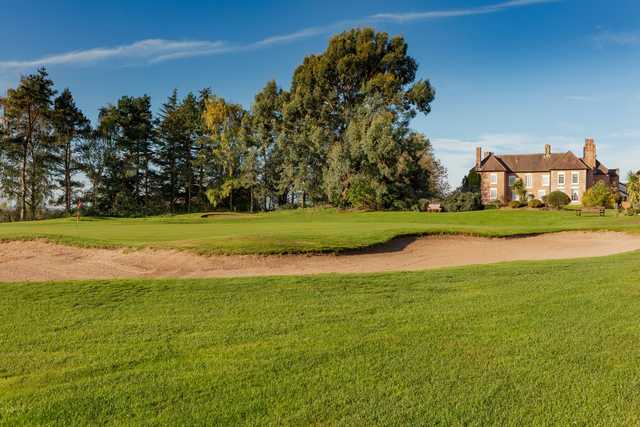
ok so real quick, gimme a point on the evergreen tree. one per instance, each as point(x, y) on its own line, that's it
point(28, 143)
point(171, 134)
point(267, 124)
point(69, 125)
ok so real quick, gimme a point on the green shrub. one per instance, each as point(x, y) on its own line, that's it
point(423, 204)
point(493, 204)
point(600, 195)
point(535, 203)
point(463, 202)
point(515, 204)
point(557, 200)
point(362, 195)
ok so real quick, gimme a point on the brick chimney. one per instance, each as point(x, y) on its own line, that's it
point(589, 155)
point(478, 157)
point(547, 150)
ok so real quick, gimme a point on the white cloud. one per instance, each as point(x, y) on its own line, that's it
point(159, 50)
point(452, 13)
point(458, 155)
point(150, 49)
point(579, 98)
point(621, 38)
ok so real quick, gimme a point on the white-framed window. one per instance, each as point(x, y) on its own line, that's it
point(541, 194)
point(575, 178)
point(528, 180)
point(575, 196)
point(493, 194)
point(494, 178)
point(561, 178)
point(545, 179)
point(512, 180)
point(514, 196)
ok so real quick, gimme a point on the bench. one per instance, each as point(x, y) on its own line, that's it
point(599, 211)
point(434, 207)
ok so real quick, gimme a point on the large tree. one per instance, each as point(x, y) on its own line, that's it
point(28, 142)
point(267, 124)
point(127, 128)
point(171, 134)
point(360, 69)
point(228, 147)
point(69, 125)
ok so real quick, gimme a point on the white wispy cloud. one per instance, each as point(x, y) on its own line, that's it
point(459, 154)
point(150, 49)
point(621, 38)
point(160, 50)
point(452, 13)
point(580, 98)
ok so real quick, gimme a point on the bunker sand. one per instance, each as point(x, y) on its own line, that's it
point(42, 261)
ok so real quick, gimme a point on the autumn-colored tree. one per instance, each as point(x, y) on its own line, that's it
point(227, 145)
point(633, 189)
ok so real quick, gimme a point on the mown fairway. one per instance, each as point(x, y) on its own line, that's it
point(301, 231)
point(525, 343)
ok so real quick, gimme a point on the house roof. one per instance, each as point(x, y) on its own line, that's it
point(532, 162)
point(603, 170)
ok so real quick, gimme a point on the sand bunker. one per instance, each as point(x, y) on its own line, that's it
point(42, 261)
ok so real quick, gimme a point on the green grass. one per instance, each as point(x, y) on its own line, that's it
point(509, 344)
point(301, 231)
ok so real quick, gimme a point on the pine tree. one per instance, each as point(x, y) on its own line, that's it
point(69, 125)
point(28, 146)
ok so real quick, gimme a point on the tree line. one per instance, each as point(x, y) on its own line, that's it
point(340, 135)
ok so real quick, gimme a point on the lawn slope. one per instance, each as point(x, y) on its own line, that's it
point(309, 230)
point(521, 343)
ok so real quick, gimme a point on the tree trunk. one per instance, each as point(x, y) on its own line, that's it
point(67, 178)
point(189, 194)
point(251, 199)
point(23, 184)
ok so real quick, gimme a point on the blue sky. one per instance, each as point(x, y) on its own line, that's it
point(510, 75)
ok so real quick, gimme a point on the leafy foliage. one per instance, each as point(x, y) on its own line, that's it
point(557, 200)
point(633, 189)
point(519, 188)
point(339, 135)
point(471, 182)
point(463, 202)
point(535, 203)
point(599, 195)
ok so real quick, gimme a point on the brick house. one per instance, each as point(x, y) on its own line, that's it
point(542, 173)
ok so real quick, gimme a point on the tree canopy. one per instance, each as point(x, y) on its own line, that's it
point(340, 135)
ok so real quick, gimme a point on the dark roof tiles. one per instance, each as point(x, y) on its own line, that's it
point(532, 162)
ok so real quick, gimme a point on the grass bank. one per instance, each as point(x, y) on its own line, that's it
point(310, 230)
point(521, 343)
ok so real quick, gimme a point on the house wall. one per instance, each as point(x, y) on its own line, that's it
point(500, 186)
point(568, 188)
point(537, 184)
point(537, 188)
